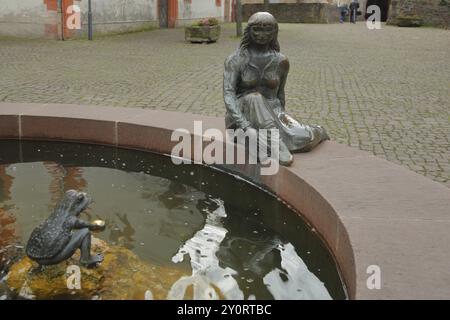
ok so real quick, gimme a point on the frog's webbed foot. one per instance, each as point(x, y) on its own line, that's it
point(92, 261)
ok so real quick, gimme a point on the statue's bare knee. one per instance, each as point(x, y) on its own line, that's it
point(75, 242)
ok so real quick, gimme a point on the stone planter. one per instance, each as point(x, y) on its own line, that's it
point(409, 21)
point(197, 34)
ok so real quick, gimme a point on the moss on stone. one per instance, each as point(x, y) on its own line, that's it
point(121, 276)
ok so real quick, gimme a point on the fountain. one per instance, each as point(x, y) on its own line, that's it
point(157, 215)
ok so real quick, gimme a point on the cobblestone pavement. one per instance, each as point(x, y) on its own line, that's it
point(384, 91)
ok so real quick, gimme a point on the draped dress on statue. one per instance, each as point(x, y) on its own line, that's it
point(254, 97)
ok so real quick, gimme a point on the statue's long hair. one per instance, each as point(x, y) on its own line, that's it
point(259, 18)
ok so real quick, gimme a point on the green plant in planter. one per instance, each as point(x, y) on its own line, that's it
point(204, 30)
point(206, 22)
point(409, 21)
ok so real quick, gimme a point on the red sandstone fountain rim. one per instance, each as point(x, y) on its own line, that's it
point(367, 210)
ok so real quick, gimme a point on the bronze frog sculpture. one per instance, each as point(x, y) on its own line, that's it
point(58, 237)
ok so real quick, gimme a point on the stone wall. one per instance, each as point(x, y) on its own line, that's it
point(118, 16)
point(31, 18)
point(296, 12)
point(193, 10)
point(42, 18)
point(295, 1)
point(433, 12)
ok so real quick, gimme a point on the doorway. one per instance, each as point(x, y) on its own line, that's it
point(167, 13)
point(163, 14)
point(384, 6)
point(226, 14)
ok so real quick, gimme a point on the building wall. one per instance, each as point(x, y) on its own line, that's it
point(32, 18)
point(296, 12)
point(433, 12)
point(334, 2)
point(42, 18)
point(330, 2)
point(297, 1)
point(116, 16)
point(193, 10)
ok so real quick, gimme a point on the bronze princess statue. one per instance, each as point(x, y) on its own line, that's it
point(58, 237)
point(253, 88)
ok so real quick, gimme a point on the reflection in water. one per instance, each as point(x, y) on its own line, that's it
point(206, 272)
point(6, 182)
point(263, 259)
point(63, 178)
point(173, 197)
point(124, 236)
point(9, 247)
point(235, 246)
point(73, 179)
point(55, 186)
point(8, 229)
point(8, 235)
point(294, 281)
